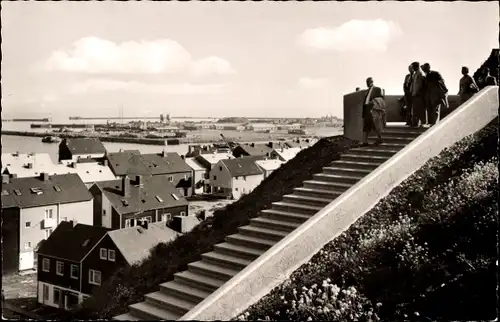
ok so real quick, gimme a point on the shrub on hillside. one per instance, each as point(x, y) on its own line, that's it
point(130, 284)
point(369, 254)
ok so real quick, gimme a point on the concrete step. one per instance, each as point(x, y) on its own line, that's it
point(226, 260)
point(282, 225)
point(169, 302)
point(126, 317)
point(392, 132)
point(394, 139)
point(387, 146)
point(148, 311)
point(325, 194)
point(211, 270)
point(253, 242)
point(355, 165)
point(284, 215)
point(248, 253)
point(369, 151)
point(361, 173)
point(185, 291)
point(336, 178)
point(332, 186)
point(296, 208)
point(364, 158)
point(270, 234)
point(307, 200)
point(206, 283)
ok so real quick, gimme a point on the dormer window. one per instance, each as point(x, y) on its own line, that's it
point(175, 197)
point(159, 198)
point(170, 178)
point(37, 191)
point(57, 188)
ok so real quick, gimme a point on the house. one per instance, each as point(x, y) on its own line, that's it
point(268, 166)
point(33, 207)
point(252, 150)
point(229, 126)
point(167, 164)
point(60, 275)
point(200, 173)
point(236, 177)
point(121, 203)
point(31, 165)
point(263, 127)
point(209, 161)
point(81, 148)
point(285, 154)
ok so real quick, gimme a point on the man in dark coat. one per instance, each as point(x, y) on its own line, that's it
point(488, 79)
point(407, 110)
point(417, 89)
point(372, 93)
point(435, 93)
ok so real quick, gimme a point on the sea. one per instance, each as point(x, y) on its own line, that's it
point(25, 144)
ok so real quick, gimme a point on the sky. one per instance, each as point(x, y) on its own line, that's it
point(198, 59)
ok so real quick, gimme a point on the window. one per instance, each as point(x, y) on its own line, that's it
point(104, 212)
point(37, 191)
point(220, 168)
point(104, 253)
point(183, 213)
point(27, 224)
point(17, 192)
point(236, 189)
point(215, 177)
point(94, 277)
point(57, 295)
point(166, 217)
point(46, 265)
point(45, 292)
point(47, 233)
point(185, 177)
point(59, 268)
point(171, 178)
point(74, 271)
point(57, 188)
point(27, 245)
point(159, 199)
point(49, 214)
point(175, 197)
point(111, 255)
point(127, 223)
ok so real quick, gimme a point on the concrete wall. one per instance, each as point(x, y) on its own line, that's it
point(276, 264)
point(353, 108)
point(82, 212)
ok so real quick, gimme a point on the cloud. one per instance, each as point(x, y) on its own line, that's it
point(103, 85)
point(313, 83)
point(97, 56)
point(354, 35)
point(211, 65)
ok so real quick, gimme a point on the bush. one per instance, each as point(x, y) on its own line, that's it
point(378, 254)
point(128, 285)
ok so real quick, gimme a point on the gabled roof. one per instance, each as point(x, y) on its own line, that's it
point(72, 243)
point(256, 150)
point(89, 172)
point(132, 163)
point(119, 161)
point(17, 163)
point(213, 158)
point(287, 153)
point(244, 166)
point(136, 242)
point(63, 188)
point(195, 165)
point(269, 165)
point(84, 145)
point(142, 198)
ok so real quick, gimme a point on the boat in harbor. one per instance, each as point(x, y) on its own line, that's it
point(50, 139)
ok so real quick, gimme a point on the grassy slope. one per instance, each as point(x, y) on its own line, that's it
point(372, 271)
point(128, 285)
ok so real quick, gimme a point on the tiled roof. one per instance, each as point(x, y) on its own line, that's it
point(195, 165)
point(132, 163)
point(63, 188)
point(256, 150)
point(169, 162)
point(244, 166)
point(89, 172)
point(288, 154)
point(142, 198)
point(72, 243)
point(136, 242)
point(84, 145)
point(269, 165)
point(119, 161)
point(213, 158)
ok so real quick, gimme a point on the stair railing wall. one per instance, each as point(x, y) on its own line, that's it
point(276, 264)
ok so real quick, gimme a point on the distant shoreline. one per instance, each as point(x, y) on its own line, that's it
point(144, 141)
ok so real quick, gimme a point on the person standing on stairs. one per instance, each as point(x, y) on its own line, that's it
point(368, 125)
point(467, 86)
point(435, 94)
point(407, 110)
point(417, 89)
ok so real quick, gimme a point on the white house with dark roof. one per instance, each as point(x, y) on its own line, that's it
point(269, 165)
point(236, 177)
point(285, 154)
point(81, 148)
point(200, 174)
point(33, 207)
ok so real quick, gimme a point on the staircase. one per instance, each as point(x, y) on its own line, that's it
point(175, 298)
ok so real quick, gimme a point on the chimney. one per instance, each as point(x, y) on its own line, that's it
point(125, 186)
point(73, 165)
point(139, 180)
point(183, 157)
point(252, 145)
point(5, 178)
point(30, 165)
point(105, 163)
point(44, 176)
point(163, 153)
